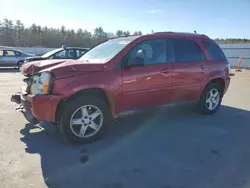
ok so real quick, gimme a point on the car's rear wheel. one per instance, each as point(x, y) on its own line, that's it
point(19, 64)
point(210, 100)
point(84, 120)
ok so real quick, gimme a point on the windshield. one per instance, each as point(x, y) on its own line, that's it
point(107, 50)
point(50, 53)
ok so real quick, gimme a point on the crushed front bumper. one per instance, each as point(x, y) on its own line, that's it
point(24, 108)
point(37, 108)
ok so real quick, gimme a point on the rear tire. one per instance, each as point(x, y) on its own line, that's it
point(82, 116)
point(210, 99)
point(19, 64)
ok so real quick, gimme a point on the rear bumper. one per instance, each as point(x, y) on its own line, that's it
point(227, 83)
point(43, 107)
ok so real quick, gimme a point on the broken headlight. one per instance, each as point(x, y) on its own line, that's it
point(41, 84)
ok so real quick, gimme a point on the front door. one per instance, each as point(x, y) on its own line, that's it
point(189, 70)
point(148, 84)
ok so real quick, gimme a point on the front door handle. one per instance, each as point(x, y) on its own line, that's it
point(164, 71)
point(202, 66)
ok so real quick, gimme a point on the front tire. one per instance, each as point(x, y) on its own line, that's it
point(210, 99)
point(84, 119)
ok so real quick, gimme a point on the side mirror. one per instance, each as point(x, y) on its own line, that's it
point(135, 62)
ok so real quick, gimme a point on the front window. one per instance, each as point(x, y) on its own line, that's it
point(71, 54)
point(80, 53)
point(151, 51)
point(107, 50)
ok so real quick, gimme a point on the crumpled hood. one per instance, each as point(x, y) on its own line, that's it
point(33, 67)
point(34, 57)
point(59, 67)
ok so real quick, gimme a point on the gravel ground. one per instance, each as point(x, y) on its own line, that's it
point(164, 147)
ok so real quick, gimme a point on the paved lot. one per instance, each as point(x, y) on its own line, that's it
point(172, 147)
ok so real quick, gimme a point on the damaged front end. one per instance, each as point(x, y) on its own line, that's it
point(23, 106)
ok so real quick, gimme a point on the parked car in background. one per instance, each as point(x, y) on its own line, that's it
point(121, 74)
point(59, 53)
point(11, 57)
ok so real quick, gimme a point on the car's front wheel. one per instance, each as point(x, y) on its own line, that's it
point(210, 99)
point(84, 119)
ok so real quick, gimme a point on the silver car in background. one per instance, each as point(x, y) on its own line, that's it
point(10, 57)
point(60, 53)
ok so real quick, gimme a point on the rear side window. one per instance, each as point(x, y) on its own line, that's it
point(214, 50)
point(186, 51)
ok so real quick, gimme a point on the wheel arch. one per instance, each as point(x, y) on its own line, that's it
point(97, 92)
point(218, 80)
point(19, 61)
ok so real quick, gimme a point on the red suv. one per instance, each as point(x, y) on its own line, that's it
point(82, 96)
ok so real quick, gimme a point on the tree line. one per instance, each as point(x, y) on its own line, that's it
point(14, 33)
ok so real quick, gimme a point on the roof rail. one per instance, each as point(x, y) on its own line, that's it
point(171, 32)
point(114, 37)
point(204, 35)
point(162, 32)
point(118, 37)
point(122, 36)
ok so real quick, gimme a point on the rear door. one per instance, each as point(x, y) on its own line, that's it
point(19, 56)
point(189, 70)
point(149, 84)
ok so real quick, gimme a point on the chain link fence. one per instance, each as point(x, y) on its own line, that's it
point(234, 51)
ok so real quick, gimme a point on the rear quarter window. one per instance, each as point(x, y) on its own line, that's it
point(214, 50)
point(18, 53)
